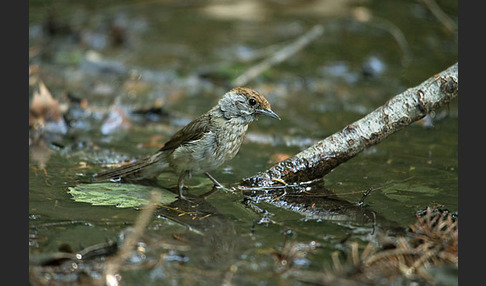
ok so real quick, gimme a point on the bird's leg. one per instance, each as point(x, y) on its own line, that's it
point(180, 182)
point(216, 183)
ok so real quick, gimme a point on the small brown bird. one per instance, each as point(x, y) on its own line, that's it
point(202, 145)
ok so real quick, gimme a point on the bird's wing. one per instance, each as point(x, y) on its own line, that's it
point(191, 132)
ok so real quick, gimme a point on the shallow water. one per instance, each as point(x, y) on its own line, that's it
point(183, 56)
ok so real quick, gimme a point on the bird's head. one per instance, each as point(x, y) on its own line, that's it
point(245, 103)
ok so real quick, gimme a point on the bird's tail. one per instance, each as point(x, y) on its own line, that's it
point(146, 168)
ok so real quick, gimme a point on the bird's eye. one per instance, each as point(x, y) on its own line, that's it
point(252, 101)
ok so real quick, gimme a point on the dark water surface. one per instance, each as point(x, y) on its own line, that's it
point(182, 56)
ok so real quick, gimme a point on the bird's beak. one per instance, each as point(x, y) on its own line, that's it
point(269, 112)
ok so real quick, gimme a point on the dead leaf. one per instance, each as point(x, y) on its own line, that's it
point(45, 109)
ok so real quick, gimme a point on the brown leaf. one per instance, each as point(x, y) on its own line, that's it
point(43, 108)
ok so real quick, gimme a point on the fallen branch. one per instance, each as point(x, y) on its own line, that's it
point(113, 265)
point(398, 112)
point(279, 56)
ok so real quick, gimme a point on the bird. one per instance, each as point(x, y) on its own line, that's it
point(202, 145)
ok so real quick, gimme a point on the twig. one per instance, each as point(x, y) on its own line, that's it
point(399, 38)
point(229, 275)
point(279, 56)
point(440, 15)
point(365, 195)
point(389, 27)
point(113, 265)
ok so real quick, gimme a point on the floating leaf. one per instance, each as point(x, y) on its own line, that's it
point(119, 195)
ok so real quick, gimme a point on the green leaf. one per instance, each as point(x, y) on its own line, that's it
point(119, 195)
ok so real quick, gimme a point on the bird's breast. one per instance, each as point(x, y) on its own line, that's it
point(229, 140)
point(221, 143)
